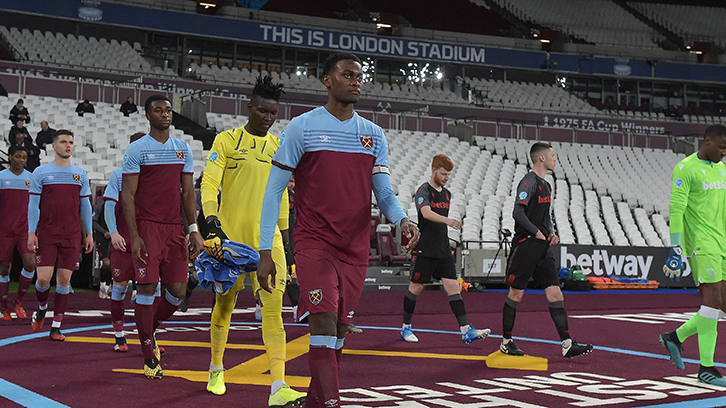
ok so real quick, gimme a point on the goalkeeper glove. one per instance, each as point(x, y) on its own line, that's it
point(673, 268)
point(213, 242)
point(289, 257)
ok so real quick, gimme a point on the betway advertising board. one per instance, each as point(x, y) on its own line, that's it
point(630, 262)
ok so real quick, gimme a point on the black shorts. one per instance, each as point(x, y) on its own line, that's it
point(423, 269)
point(532, 258)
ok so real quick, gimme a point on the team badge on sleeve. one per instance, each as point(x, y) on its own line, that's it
point(76, 177)
point(522, 195)
point(180, 155)
point(315, 296)
point(678, 183)
point(213, 157)
point(366, 141)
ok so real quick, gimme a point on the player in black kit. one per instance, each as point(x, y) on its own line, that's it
point(531, 256)
point(432, 256)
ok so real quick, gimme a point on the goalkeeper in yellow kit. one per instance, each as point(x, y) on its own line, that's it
point(239, 162)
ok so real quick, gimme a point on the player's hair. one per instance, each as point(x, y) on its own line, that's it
point(266, 89)
point(442, 161)
point(152, 99)
point(537, 149)
point(16, 148)
point(715, 131)
point(136, 136)
point(61, 132)
point(333, 59)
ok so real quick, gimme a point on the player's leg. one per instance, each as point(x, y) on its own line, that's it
point(421, 270)
point(218, 333)
point(706, 321)
point(25, 280)
point(42, 292)
point(60, 302)
point(293, 292)
point(319, 285)
point(556, 303)
point(4, 286)
point(456, 303)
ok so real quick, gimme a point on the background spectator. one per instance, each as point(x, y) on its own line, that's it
point(129, 106)
point(45, 136)
point(18, 127)
point(19, 112)
point(85, 107)
point(23, 140)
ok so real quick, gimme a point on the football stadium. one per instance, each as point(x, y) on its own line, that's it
point(481, 150)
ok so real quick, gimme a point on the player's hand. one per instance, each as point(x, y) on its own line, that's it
point(673, 268)
point(32, 242)
point(266, 271)
point(196, 245)
point(411, 232)
point(553, 239)
point(453, 223)
point(138, 249)
point(213, 242)
point(118, 242)
point(289, 256)
point(88, 243)
point(540, 235)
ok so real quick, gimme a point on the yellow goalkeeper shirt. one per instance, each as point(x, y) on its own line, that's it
point(239, 163)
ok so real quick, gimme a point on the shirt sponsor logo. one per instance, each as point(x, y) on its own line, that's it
point(315, 296)
point(440, 205)
point(180, 155)
point(213, 157)
point(722, 173)
point(678, 183)
point(716, 185)
point(366, 141)
point(543, 200)
point(522, 195)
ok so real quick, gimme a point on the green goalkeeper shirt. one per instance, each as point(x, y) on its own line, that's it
point(697, 208)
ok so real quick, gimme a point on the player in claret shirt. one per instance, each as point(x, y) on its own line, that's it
point(59, 192)
point(155, 168)
point(531, 255)
point(337, 157)
point(14, 188)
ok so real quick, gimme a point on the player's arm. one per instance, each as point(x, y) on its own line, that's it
point(276, 184)
point(109, 214)
point(130, 184)
point(87, 218)
point(36, 189)
point(680, 189)
point(391, 207)
point(211, 181)
point(190, 209)
point(525, 191)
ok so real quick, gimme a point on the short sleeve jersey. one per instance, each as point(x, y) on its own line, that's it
point(434, 241)
point(535, 194)
point(334, 162)
point(59, 189)
point(240, 163)
point(159, 167)
point(113, 193)
point(698, 194)
point(14, 203)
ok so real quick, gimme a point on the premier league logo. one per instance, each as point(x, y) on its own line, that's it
point(366, 141)
point(315, 296)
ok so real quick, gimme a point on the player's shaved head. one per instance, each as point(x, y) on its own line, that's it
point(152, 99)
point(715, 132)
point(537, 149)
point(333, 60)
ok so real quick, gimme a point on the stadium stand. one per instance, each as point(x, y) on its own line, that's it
point(59, 49)
point(603, 22)
point(692, 23)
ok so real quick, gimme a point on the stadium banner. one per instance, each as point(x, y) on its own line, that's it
point(627, 262)
point(398, 47)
